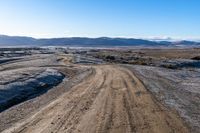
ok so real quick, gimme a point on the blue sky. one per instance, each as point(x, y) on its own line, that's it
point(96, 18)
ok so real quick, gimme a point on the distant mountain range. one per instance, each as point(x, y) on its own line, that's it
point(89, 42)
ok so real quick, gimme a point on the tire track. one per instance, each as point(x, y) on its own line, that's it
point(112, 100)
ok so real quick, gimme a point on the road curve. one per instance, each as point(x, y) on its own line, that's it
point(111, 100)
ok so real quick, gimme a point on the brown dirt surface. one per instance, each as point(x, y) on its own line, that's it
point(110, 100)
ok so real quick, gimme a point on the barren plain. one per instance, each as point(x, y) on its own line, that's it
point(99, 90)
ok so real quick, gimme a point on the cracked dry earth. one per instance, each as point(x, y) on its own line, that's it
point(110, 100)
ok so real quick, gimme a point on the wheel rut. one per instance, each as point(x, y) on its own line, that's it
point(111, 100)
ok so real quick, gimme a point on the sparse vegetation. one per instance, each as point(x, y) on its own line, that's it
point(196, 58)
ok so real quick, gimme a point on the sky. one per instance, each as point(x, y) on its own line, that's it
point(100, 18)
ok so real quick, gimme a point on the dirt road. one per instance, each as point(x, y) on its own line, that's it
point(112, 100)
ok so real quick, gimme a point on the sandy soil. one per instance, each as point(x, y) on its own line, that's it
point(111, 100)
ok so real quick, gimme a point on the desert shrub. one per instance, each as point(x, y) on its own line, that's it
point(196, 58)
point(169, 66)
point(142, 63)
point(110, 57)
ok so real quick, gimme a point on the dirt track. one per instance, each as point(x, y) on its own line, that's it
point(112, 99)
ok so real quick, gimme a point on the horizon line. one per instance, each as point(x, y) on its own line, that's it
point(152, 38)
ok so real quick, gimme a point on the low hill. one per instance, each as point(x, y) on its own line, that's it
point(88, 42)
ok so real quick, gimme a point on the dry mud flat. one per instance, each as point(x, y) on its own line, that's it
point(27, 76)
point(111, 99)
point(32, 82)
point(178, 89)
